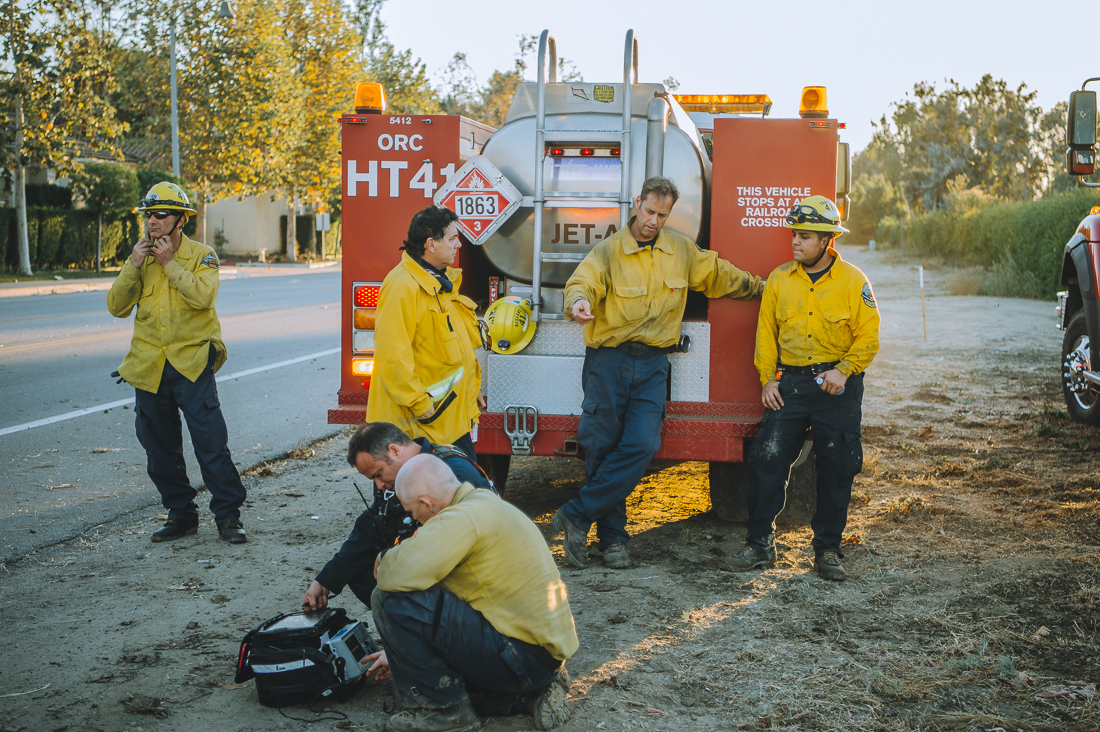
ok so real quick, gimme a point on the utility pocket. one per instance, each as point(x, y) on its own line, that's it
point(629, 304)
point(853, 452)
point(837, 328)
point(446, 336)
point(147, 304)
point(676, 283)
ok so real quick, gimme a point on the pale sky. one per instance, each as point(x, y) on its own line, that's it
point(868, 54)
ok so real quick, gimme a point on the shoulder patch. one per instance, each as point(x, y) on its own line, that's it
point(868, 296)
point(211, 261)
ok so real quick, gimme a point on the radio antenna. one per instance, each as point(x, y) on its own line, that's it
point(360, 494)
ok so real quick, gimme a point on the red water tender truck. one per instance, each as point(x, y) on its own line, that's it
point(537, 194)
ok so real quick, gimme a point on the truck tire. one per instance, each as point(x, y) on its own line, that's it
point(729, 490)
point(1082, 400)
point(496, 467)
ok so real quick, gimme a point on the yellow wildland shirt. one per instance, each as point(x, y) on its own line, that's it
point(176, 320)
point(489, 554)
point(425, 355)
point(639, 293)
point(804, 322)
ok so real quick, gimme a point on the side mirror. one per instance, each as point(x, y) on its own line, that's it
point(843, 179)
point(1081, 121)
point(1081, 133)
point(843, 169)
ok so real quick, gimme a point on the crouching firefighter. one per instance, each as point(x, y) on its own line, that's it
point(472, 611)
point(378, 450)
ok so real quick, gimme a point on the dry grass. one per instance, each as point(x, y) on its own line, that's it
point(965, 282)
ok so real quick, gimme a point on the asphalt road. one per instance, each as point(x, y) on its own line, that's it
point(62, 474)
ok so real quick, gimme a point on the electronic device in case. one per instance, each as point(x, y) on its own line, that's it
point(352, 644)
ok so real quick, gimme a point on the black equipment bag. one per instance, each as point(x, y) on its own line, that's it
point(284, 655)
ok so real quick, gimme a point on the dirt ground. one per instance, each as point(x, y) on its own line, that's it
point(972, 550)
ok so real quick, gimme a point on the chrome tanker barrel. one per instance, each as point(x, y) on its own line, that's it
point(580, 119)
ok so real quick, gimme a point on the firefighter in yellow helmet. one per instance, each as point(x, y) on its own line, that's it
point(816, 335)
point(177, 346)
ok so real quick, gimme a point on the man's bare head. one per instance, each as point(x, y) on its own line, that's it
point(425, 486)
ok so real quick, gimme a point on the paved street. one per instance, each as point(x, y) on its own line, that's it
point(61, 474)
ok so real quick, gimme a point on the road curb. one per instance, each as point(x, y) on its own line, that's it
point(243, 270)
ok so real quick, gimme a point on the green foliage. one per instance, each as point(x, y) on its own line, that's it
point(51, 226)
point(489, 104)
point(1019, 242)
point(49, 195)
point(988, 135)
point(405, 79)
point(240, 108)
point(325, 47)
point(104, 188)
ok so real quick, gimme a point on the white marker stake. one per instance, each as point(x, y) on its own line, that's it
point(924, 317)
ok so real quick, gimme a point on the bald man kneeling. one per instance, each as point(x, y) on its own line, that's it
point(472, 611)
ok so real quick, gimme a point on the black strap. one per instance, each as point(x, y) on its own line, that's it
point(442, 451)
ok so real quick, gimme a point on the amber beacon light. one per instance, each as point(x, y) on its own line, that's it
point(813, 103)
point(369, 98)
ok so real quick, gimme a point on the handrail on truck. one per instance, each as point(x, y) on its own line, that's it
point(630, 71)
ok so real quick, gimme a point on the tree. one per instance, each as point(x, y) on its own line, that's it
point(489, 104)
point(57, 91)
point(325, 47)
point(405, 79)
point(241, 112)
point(106, 189)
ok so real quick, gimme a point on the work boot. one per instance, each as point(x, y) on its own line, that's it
point(550, 707)
point(828, 567)
point(574, 540)
point(460, 718)
point(616, 556)
point(174, 529)
point(752, 557)
point(232, 531)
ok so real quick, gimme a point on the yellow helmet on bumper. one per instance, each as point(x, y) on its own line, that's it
point(511, 326)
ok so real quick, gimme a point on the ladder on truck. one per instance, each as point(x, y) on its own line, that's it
point(545, 138)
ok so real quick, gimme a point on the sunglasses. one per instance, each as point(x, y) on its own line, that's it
point(801, 214)
point(158, 215)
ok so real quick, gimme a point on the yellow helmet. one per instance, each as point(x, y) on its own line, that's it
point(511, 326)
point(165, 196)
point(816, 213)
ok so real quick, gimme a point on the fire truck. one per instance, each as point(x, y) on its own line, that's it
point(534, 196)
point(1078, 308)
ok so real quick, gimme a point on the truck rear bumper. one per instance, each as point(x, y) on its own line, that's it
point(707, 431)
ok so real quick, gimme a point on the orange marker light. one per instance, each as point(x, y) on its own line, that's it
point(369, 98)
point(813, 104)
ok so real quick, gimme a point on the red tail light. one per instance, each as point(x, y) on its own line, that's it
point(366, 296)
point(587, 153)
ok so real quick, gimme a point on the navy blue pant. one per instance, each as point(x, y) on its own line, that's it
point(620, 431)
point(161, 434)
point(442, 651)
point(835, 420)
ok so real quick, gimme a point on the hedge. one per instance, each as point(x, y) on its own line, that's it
point(59, 238)
point(1028, 236)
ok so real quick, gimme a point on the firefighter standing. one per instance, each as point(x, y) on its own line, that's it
point(426, 376)
point(630, 292)
point(176, 348)
point(823, 314)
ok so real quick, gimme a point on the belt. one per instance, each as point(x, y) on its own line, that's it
point(811, 370)
point(636, 349)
